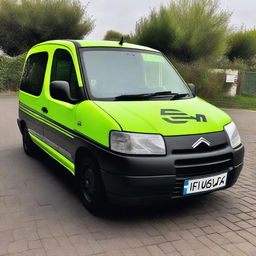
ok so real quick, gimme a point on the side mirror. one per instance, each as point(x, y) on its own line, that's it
point(192, 88)
point(60, 90)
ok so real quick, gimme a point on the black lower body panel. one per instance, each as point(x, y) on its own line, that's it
point(166, 175)
point(147, 190)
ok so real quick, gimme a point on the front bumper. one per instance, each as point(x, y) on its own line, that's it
point(145, 180)
point(145, 190)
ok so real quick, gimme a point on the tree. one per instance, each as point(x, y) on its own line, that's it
point(185, 29)
point(113, 35)
point(242, 45)
point(155, 31)
point(28, 22)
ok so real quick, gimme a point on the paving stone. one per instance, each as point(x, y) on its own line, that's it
point(172, 236)
point(181, 246)
point(49, 243)
point(244, 216)
point(155, 251)
point(208, 230)
point(233, 237)
point(167, 247)
point(247, 248)
point(18, 246)
point(243, 224)
point(197, 232)
point(247, 236)
point(36, 244)
point(142, 251)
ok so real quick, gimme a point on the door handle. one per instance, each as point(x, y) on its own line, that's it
point(45, 110)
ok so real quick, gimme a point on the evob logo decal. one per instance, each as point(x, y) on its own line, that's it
point(178, 117)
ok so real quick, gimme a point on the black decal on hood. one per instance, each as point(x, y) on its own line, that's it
point(178, 117)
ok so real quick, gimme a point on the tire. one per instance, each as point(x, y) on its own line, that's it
point(90, 185)
point(28, 145)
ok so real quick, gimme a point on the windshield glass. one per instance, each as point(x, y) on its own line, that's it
point(113, 72)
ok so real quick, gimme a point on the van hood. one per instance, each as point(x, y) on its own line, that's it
point(176, 117)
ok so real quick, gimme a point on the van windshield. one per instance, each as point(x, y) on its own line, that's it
point(130, 74)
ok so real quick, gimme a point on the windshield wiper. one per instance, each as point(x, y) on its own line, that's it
point(133, 96)
point(150, 95)
point(169, 93)
point(179, 95)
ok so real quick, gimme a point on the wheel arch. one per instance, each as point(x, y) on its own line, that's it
point(22, 126)
point(83, 151)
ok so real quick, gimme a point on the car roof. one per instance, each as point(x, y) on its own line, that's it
point(94, 43)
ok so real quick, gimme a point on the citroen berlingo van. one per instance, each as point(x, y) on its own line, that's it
point(121, 119)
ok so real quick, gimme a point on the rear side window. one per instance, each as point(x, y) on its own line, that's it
point(63, 69)
point(33, 75)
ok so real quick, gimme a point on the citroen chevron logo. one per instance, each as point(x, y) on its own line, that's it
point(201, 140)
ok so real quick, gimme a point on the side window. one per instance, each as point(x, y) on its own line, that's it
point(33, 75)
point(63, 69)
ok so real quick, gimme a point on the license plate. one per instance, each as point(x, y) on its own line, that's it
point(204, 184)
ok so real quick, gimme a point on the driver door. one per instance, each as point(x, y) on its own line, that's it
point(61, 114)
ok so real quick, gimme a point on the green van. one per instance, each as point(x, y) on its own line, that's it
point(120, 118)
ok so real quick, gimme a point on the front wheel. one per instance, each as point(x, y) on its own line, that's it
point(90, 185)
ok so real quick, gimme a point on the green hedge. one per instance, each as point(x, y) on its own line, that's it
point(242, 45)
point(10, 72)
point(209, 84)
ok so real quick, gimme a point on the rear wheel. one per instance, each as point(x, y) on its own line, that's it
point(28, 145)
point(90, 185)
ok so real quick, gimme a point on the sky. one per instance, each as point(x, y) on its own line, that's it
point(121, 15)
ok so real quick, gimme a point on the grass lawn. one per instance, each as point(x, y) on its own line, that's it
point(243, 102)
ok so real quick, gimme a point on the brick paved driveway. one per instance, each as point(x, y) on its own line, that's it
point(40, 213)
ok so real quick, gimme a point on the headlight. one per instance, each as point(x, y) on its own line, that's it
point(233, 134)
point(137, 143)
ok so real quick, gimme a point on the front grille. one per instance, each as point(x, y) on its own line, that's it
point(178, 188)
point(195, 167)
point(201, 166)
point(202, 148)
